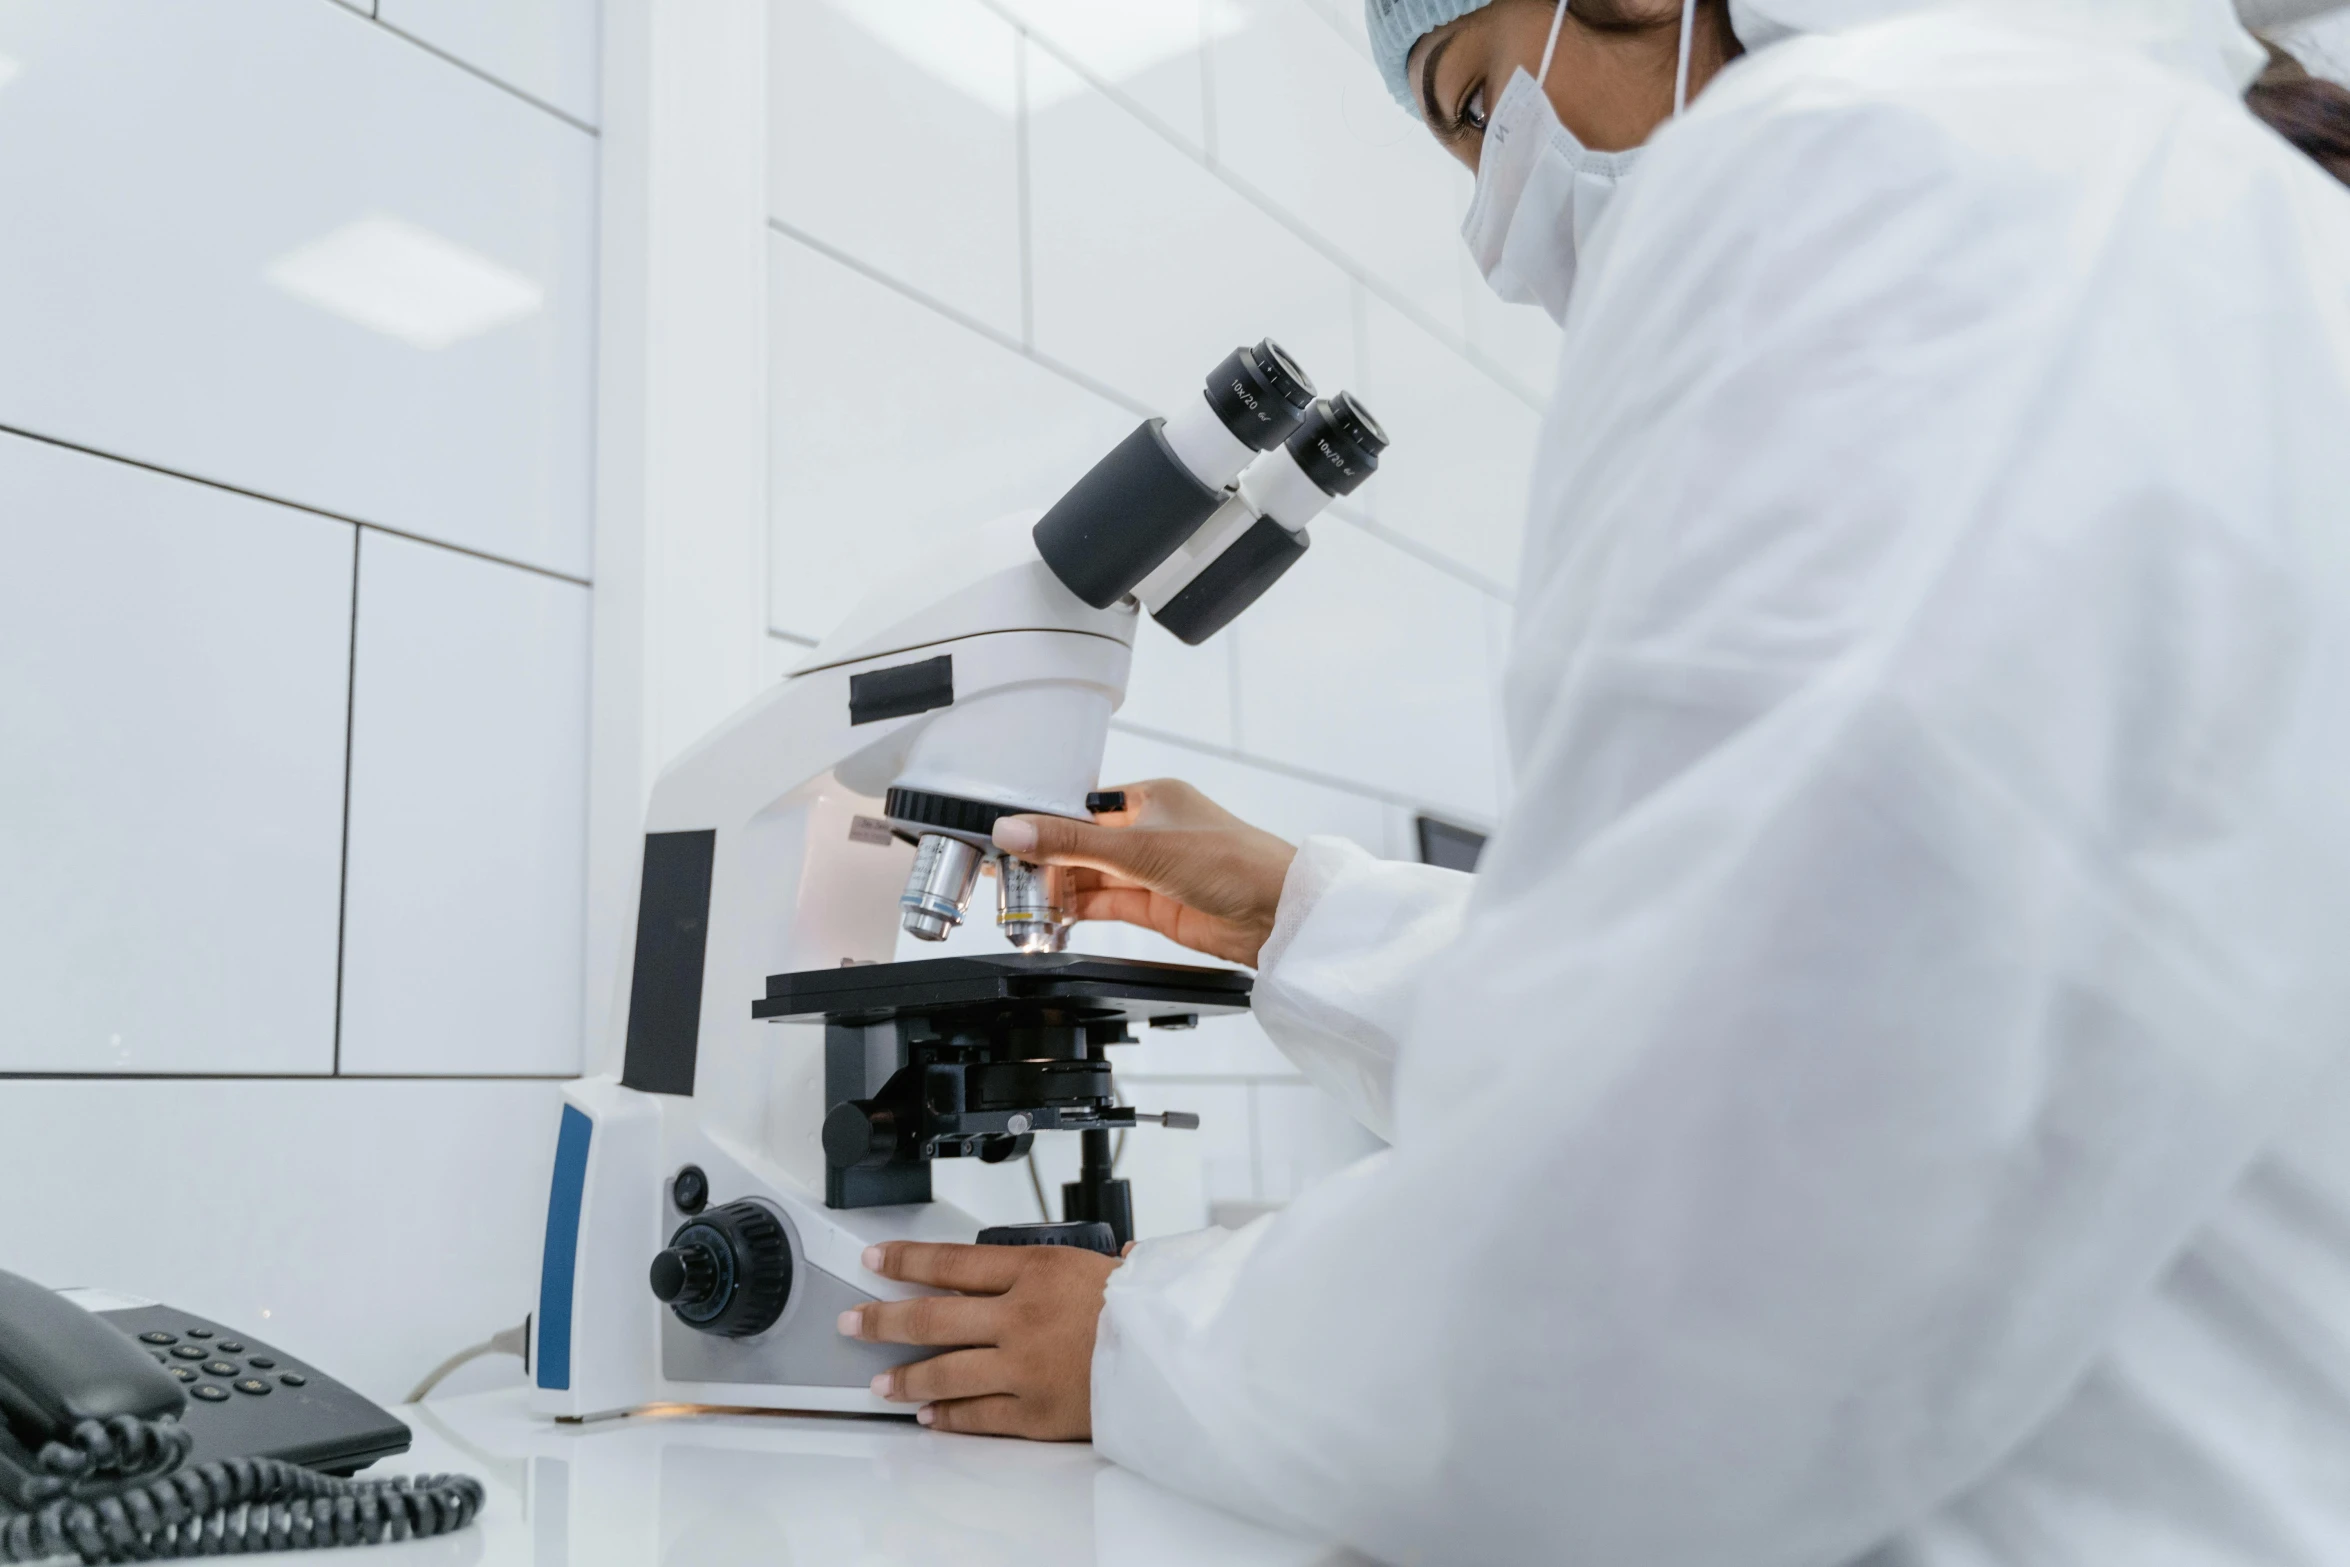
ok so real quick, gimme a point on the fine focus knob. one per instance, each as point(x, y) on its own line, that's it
point(686, 1275)
point(728, 1270)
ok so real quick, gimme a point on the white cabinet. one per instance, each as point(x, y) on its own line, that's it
point(463, 923)
point(173, 689)
point(282, 248)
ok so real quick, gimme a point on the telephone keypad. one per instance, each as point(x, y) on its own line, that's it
point(230, 1413)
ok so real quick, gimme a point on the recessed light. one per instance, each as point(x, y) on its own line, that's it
point(390, 276)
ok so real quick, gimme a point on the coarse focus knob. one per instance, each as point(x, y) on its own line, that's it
point(727, 1270)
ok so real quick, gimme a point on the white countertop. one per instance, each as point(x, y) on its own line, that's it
point(704, 1489)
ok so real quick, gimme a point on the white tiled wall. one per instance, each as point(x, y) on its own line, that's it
point(462, 889)
point(298, 306)
point(288, 250)
point(1056, 215)
point(543, 48)
point(173, 680)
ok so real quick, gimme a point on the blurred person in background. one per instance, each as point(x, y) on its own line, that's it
point(1886, 1093)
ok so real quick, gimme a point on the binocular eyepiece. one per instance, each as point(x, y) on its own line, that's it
point(1157, 514)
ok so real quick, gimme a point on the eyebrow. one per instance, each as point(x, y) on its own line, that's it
point(1428, 79)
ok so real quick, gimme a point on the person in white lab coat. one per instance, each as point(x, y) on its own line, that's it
point(1886, 1093)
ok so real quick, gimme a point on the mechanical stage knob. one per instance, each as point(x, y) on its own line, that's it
point(727, 1270)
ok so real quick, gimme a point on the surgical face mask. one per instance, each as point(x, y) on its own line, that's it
point(1540, 190)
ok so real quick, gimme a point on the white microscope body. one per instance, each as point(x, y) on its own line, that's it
point(780, 848)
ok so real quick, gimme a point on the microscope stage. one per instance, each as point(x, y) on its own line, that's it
point(1092, 989)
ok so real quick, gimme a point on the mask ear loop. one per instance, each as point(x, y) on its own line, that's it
point(1550, 44)
point(1680, 80)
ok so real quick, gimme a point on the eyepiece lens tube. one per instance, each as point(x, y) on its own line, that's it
point(1338, 445)
point(1259, 395)
point(1262, 533)
point(1137, 505)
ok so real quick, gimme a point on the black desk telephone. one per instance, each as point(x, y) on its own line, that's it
point(146, 1432)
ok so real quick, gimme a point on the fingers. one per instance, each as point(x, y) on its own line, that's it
point(1160, 803)
point(1134, 905)
point(965, 1373)
point(1165, 859)
point(926, 1319)
point(998, 1414)
point(975, 1270)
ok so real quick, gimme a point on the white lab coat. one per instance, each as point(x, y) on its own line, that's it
point(1887, 1092)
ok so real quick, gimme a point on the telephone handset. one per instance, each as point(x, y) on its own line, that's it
point(130, 1431)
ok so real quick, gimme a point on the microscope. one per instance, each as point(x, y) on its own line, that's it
point(784, 1084)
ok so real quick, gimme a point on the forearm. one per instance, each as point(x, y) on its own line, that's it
point(1339, 978)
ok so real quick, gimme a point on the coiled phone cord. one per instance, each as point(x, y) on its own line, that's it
point(152, 1508)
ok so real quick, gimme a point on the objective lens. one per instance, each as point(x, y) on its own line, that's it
point(1260, 394)
point(1338, 445)
point(939, 887)
point(1032, 904)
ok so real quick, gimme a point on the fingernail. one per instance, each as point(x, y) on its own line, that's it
point(881, 1384)
point(925, 1415)
point(1014, 836)
point(872, 1259)
point(852, 1323)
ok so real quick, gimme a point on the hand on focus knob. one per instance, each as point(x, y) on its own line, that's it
point(1172, 861)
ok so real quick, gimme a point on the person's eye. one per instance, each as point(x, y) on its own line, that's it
point(1472, 111)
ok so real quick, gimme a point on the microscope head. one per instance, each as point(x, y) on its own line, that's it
point(1194, 516)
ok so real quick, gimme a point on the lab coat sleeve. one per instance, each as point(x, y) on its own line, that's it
point(1338, 978)
point(1923, 887)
